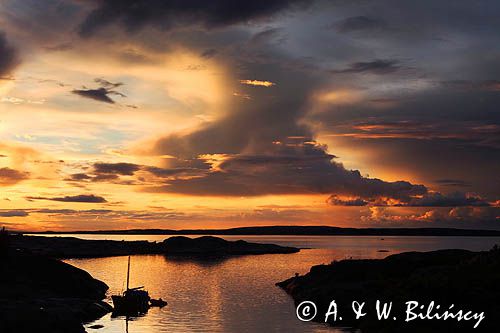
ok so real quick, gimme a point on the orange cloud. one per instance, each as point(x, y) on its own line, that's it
point(258, 83)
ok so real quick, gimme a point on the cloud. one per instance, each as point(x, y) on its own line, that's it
point(487, 85)
point(107, 84)
point(169, 172)
point(84, 198)
point(60, 47)
point(290, 168)
point(8, 56)
point(265, 36)
point(429, 199)
point(135, 14)
point(360, 23)
point(472, 131)
point(456, 217)
point(455, 199)
point(13, 213)
point(209, 53)
point(258, 83)
point(334, 200)
point(79, 177)
point(378, 66)
point(10, 176)
point(453, 182)
point(100, 94)
point(126, 169)
point(112, 172)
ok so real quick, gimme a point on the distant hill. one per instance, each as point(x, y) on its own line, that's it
point(298, 230)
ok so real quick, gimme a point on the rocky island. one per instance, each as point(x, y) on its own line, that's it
point(214, 246)
point(467, 280)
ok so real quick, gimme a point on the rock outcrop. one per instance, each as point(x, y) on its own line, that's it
point(71, 247)
point(469, 280)
point(39, 294)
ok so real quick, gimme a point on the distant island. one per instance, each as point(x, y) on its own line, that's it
point(294, 230)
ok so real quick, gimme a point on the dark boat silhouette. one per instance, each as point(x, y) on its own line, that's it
point(133, 301)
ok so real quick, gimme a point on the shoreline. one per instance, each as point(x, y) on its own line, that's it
point(466, 279)
point(72, 247)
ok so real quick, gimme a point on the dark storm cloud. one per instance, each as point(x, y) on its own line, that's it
point(455, 199)
point(126, 169)
point(135, 14)
point(377, 66)
point(251, 126)
point(83, 198)
point(100, 94)
point(288, 168)
point(8, 56)
point(10, 176)
point(360, 23)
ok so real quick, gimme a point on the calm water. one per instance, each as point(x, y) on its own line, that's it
point(238, 294)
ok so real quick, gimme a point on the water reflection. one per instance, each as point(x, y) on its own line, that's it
point(205, 261)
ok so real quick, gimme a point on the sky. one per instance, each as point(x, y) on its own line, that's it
point(124, 114)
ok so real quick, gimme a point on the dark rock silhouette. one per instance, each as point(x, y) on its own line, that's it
point(470, 280)
point(71, 247)
point(39, 294)
point(213, 246)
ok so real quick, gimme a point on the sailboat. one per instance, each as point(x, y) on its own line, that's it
point(132, 300)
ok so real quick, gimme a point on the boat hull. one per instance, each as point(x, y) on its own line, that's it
point(131, 304)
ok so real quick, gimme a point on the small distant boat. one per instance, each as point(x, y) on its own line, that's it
point(133, 300)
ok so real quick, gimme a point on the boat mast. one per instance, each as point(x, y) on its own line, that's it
point(128, 271)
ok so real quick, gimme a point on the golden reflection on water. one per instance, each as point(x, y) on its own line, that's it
point(238, 294)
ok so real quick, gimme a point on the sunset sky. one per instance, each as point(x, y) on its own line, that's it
point(120, 114)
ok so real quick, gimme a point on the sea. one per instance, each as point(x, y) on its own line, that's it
point(238, 294)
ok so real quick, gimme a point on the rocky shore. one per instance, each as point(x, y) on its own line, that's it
point(70, 247)
point(468, 280)
point(39, 294)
